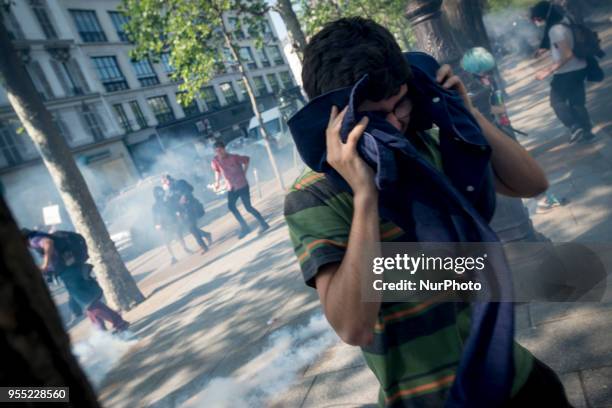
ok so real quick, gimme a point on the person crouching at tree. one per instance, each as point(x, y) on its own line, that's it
point(64, 256)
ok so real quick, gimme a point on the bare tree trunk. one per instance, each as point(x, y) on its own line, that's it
point(119, 286)
point(296, 35)
point(34, 348)
point(465, 19)
point(247, 85)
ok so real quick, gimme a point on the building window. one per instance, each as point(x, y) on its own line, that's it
point(42, 16)
point(210, 97)
point(228, 92)
point(39, 80)
point(122, 118)
point(246, 56)
point(63, 129)
point(191, 109)
point(10, 144)
point(273, 81)
point(165, 59)
point(286, 79)
point(268, 33)
point(233, 26)
point(119, 21)
point(229, 60)
point(259, 85)
point(92, 122)
point(244, 95)
point(145, 73)
point(161, 109)
point(88, 26)
point(140, 117)
point(263, 58)
point(275, 54)
point(110, 74)
point(12, 26)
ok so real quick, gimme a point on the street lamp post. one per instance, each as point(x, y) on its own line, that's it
point(434, 36)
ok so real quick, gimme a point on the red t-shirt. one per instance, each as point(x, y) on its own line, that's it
point(231, 168)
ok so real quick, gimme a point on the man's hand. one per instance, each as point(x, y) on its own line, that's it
point(539, 52)
point(448, 80)
point(343, 157)
point(542, 74)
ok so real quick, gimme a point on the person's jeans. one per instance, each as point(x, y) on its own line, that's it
point(244, 195)
point(98, 312)
point(568, 99)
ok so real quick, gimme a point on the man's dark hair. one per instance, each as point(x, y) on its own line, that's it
point(347, 49)
point(545, 10)
point(219, 143)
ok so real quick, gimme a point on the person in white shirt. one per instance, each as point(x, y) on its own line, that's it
point(567, 93)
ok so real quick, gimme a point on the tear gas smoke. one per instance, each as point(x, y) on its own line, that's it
point(271, 372)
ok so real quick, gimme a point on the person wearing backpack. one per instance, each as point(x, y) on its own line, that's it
point(179, 195)
point(64, 255)
point(574, 49)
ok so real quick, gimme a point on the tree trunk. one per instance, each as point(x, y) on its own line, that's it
point(34, 348)
point(296, 35)
point(465, 20)
point(119, 286)
point(247, 85)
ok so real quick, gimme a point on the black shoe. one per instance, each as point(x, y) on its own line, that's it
point(587, 137)
point(244, 232)
point(208, 237)
point(263, 228)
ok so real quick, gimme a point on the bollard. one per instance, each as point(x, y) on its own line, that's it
point(257, 185)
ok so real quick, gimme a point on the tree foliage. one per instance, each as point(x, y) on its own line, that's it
point(315, 14)
point(192, 33)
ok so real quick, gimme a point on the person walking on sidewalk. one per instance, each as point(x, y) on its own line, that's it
point(233, 168)
point(567, 88)
point(179, 195)
point(64, 255)
point(166, 221)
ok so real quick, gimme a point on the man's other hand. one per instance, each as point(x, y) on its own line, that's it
point(343, 157)
point(448, 80)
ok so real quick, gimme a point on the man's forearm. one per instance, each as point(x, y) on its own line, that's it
point(350, 316)
point(514, 167)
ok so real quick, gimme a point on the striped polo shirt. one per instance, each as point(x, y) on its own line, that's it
point(417, 346)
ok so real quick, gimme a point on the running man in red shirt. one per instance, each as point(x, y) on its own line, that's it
point(233, 167)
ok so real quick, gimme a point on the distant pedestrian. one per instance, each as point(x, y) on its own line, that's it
point(64, 255)
point(233, 168)
point(179, 195)
point(167, 222)
point(567, 89)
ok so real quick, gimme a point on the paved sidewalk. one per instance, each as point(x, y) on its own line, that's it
point(235, 322)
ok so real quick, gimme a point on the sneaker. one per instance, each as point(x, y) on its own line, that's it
point(587, 137)
point(576, 134)
point(121, 328)
point(244, 232)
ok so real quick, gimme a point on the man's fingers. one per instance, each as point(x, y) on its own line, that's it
point(452, 82)
point(444, 71)
point(357, 132)
point(332, 116)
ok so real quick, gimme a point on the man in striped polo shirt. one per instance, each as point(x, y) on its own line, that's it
point(414, 349)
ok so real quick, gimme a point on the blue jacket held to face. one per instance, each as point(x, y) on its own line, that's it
point(431, 206)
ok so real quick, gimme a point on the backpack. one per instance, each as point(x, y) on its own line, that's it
point(71, 247)
point(587, 43)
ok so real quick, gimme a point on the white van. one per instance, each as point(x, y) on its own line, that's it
point(275, 126)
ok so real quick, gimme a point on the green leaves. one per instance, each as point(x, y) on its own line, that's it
point(192, 32)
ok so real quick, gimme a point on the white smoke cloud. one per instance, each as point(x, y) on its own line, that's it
point(100, 352)
point(271, 372)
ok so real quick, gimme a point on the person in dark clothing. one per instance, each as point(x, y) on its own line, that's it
point(165, 217)
point(59, 261)
point(179, 195)
point(567, 88)
point(233, 168)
